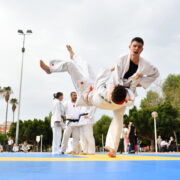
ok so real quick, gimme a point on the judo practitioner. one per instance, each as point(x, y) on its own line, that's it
point(72, 112)
point(86, 122)
point(103, 92)
point(131, 71)
point(57, 123)
point(134, 71)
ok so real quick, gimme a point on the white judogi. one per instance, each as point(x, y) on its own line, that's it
point(57, 112)
point(86, 130)
point(72, 113)
point(83, 80)
point(69, 148)
point(148, 72)
point(99, 96)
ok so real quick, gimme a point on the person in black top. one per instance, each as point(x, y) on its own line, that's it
point(132, 69)
point(171, 144)
point(132, 136)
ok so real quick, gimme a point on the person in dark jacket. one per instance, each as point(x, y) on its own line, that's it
point(132, 137)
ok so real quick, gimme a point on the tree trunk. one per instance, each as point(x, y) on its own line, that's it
point(176, 140)
point(152, 145)
point(13, 116)
point(5, 126)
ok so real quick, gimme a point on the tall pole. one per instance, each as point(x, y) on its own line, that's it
point(20, 84)
point(5, 128)
point(155, 115)
point(41, 142)
point(103, 142)
point(155, 134)
point(20, 89)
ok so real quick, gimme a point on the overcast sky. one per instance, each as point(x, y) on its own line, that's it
point(99, 31)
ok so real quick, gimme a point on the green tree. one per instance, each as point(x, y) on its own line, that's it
point(1, 91)
point(143, 122)
point(152, 99)
point(171, 89)
point(3, 138)
point(29, 129)
point(7, 91)
point(101, 128)
point(14, 103)
point(167, 122)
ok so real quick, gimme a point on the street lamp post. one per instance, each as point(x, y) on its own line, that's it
point(41, 143)
point(155, 115)
point(28, 32)
point(103, 142)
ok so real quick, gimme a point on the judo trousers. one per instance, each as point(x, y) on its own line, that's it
point(87, 139)
point(57, 134)
point(74, 130)
point(115, 129)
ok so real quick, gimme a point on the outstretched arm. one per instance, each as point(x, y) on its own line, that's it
point(151, 76)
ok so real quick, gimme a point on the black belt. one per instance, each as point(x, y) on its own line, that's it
point(73, 120)
point(102, 97)
point(83, 114)
point(76, 120)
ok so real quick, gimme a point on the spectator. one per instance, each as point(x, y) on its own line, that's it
point(164, 146)
point(10, 144)
point(159, 140)
point(136, 143)
point(1, 148)
point(15, 148)
point(171, 144)
point(124, 140)
point(132, 136)
point(121, 145)
point(25, 147)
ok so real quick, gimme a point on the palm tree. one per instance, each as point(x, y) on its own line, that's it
point(1, 91)
point(7, 92)
point(14, 102)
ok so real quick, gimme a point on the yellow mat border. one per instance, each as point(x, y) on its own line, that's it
point(92, 158)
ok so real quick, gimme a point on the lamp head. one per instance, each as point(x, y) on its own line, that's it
point(20, 31)
point(154, 114)
point(29, 31)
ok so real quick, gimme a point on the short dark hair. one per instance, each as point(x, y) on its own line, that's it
point(119, 94)
point(57, 95)
point(138, 39)
point(72, 93)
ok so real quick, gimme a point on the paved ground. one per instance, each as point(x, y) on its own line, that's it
point(44, 166)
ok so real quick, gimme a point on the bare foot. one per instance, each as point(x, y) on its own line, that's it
point(111, 153)
point(71, 52)
point(74, 153)
point(69, 152)
point(45, 67)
